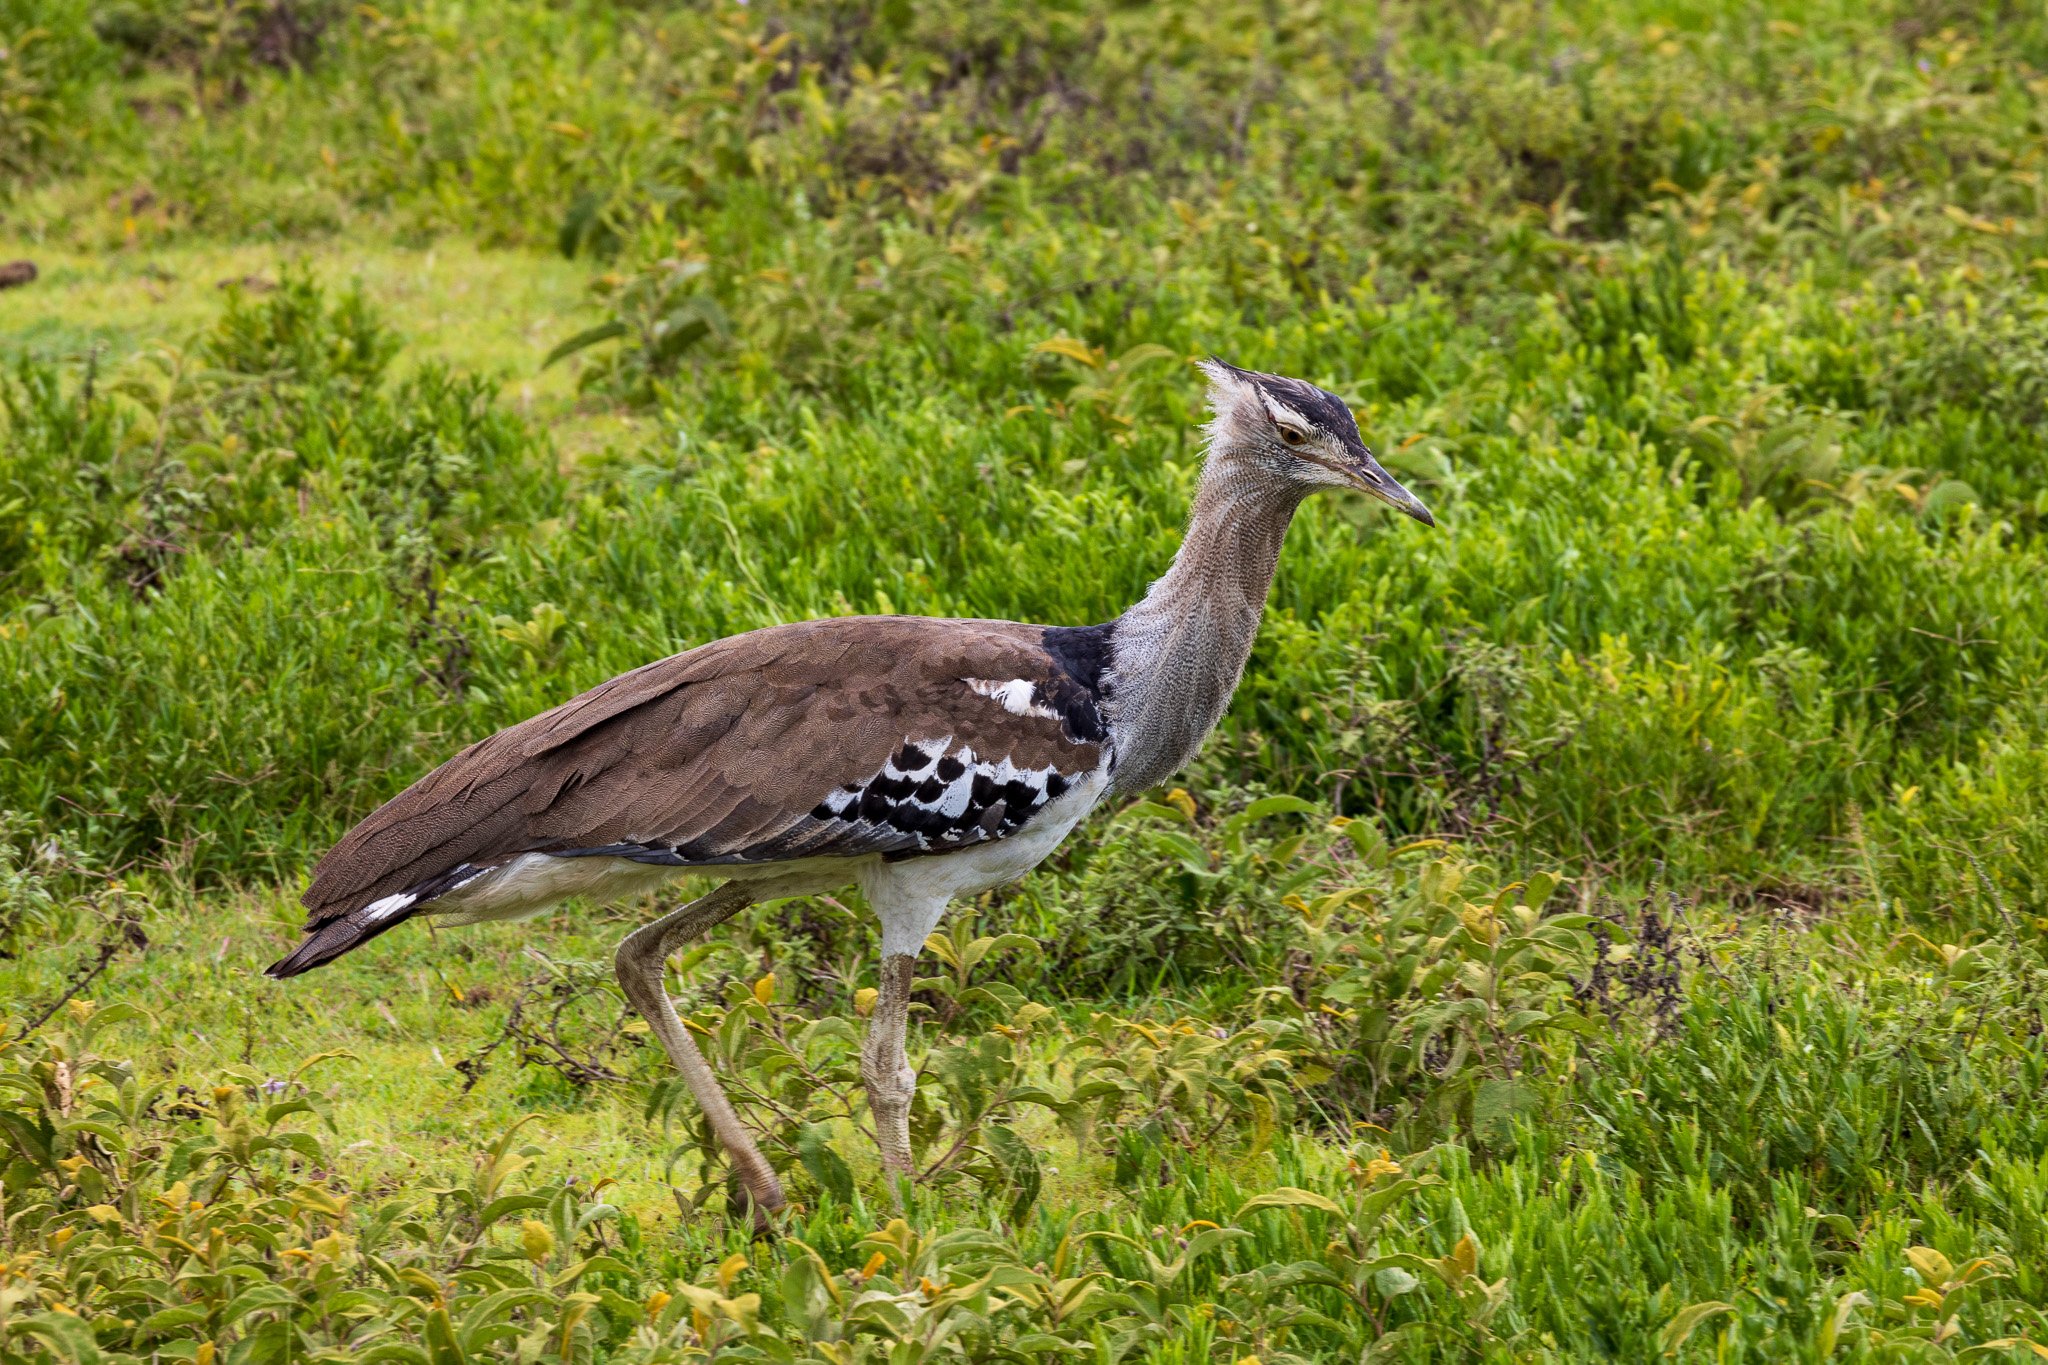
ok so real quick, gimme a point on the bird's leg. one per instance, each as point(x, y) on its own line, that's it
point(886, 1070)
point(641, 961)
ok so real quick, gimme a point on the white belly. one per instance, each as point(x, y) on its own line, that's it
point(910, 896)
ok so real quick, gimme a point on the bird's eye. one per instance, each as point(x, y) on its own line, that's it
point(1292, 436)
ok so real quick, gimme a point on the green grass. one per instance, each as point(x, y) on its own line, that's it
point(1712, 334)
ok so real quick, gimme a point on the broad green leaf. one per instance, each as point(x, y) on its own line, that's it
point(1289, 1197)
point(1394, 1281)
point(1267, 806)
point(1496, 1104)
point(588, 337)
point(1831, 1331)
point(1688, 1318)
point(827, 1167)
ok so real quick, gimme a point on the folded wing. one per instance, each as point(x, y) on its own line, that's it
point(858, 735)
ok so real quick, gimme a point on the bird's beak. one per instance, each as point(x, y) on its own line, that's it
point(1365, 473)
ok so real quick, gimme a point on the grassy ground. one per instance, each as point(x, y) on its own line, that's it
point(1609, 928)
point(494, 312)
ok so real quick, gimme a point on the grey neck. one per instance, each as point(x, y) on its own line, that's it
point(1178, 654)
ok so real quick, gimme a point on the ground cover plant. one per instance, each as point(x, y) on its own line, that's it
point(1612, 927)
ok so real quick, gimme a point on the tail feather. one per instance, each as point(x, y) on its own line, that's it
point(329, 936)
point(324, 943)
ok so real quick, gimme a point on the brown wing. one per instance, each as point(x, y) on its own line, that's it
point(837, 737)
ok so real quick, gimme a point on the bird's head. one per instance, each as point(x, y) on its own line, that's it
point(1292, 430)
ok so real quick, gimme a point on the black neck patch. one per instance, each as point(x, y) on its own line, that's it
point(1080, 656)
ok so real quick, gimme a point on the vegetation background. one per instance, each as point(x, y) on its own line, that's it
point(1612, 927)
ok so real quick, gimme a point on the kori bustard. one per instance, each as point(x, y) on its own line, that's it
point(921, 759)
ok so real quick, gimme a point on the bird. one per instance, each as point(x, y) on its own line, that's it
point(922, 759)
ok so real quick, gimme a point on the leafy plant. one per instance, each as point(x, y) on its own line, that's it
point(663, 316)
point(1451, 1007)
point(1171, 894)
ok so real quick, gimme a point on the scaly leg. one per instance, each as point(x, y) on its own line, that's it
point(890, 1081)
point(640, 962)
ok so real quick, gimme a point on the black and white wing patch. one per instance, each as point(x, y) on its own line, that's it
point(939, 797)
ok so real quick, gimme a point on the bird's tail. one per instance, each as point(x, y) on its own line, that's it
point(325, 942)
point(329, 936)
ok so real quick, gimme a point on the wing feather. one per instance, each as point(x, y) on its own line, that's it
point(722, 754)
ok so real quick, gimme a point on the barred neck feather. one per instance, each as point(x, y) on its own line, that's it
point(1180, 652)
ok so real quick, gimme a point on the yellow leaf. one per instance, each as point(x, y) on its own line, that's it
point(874, 1266)
point(535, 1240)
point(657, 1301)
point(1963, 217)
point(1071, 349)
point(320, 1201)
point(1029, 1013)
point(1932, 1267)
point(764, 989)
point(1383, 1164)
point(864, 1001)
point(568, 130)
point(1179, 799)
point(104, 1213)
point(729, 1270)
point(1464, 1256)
